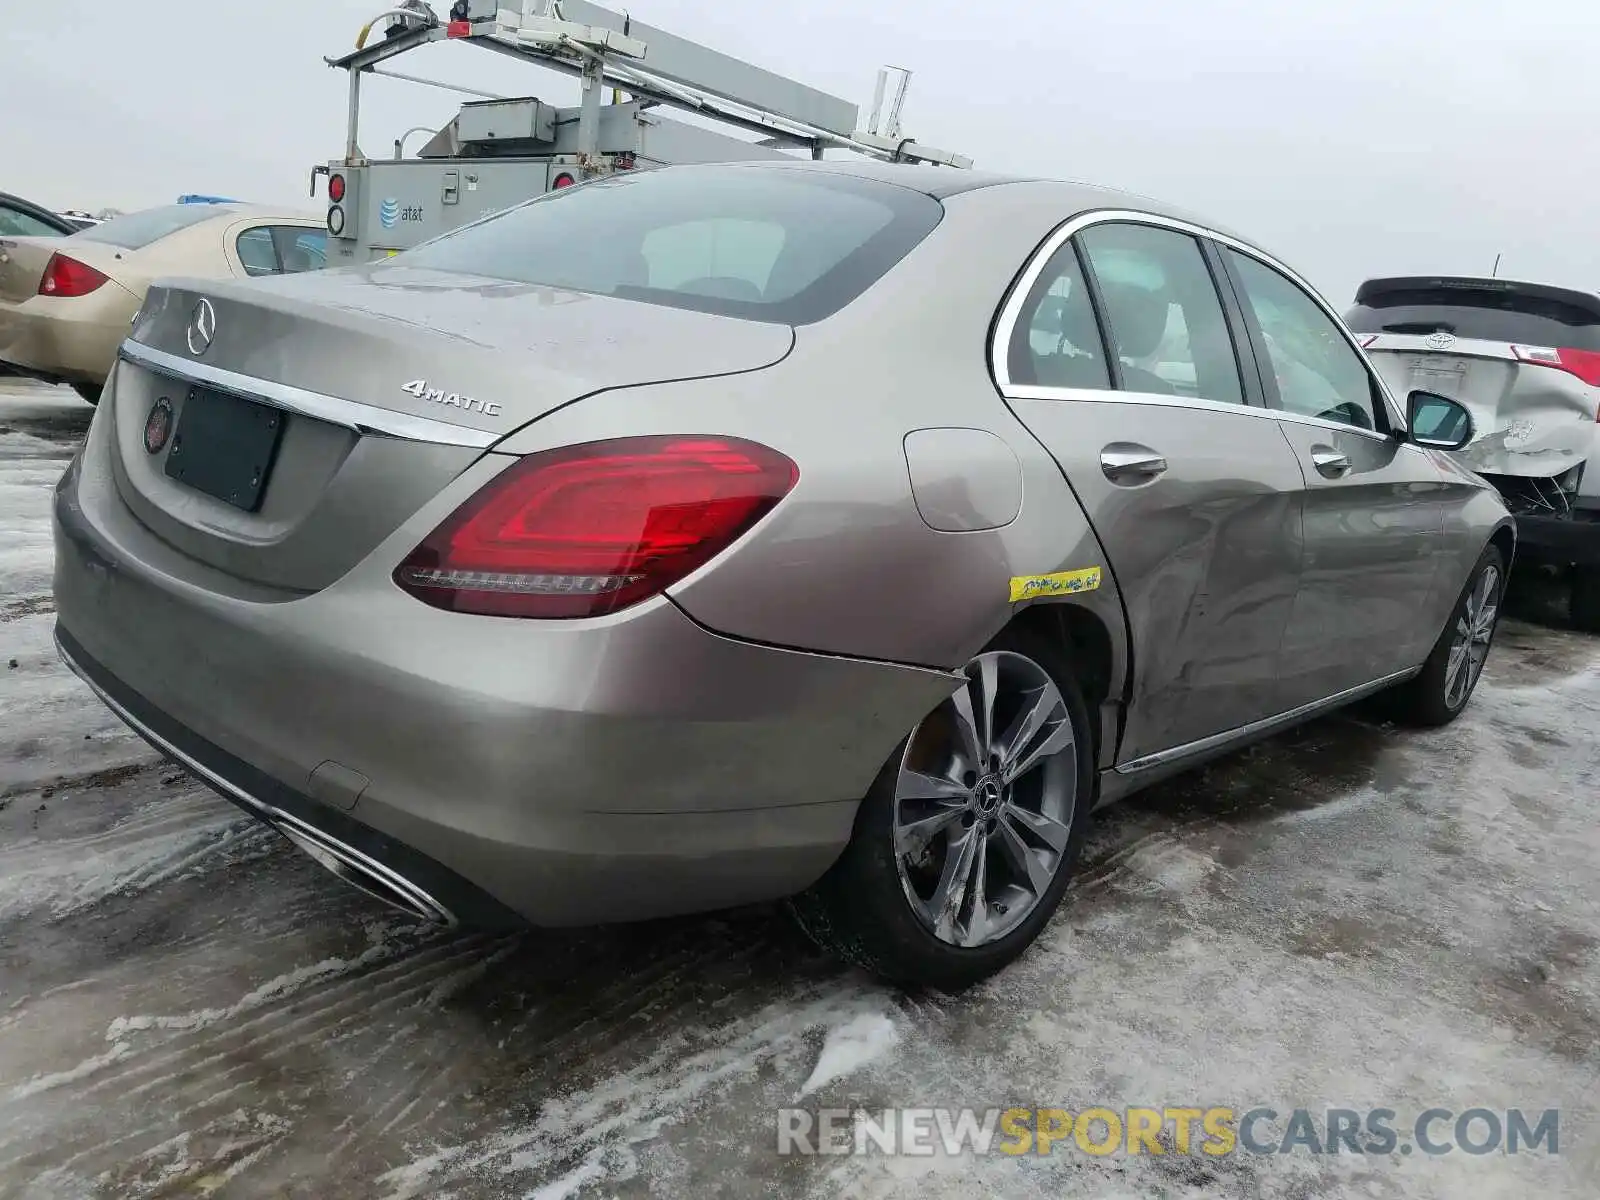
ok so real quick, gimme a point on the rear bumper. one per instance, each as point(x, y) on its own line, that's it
point(1562, 541)
point(575, 772)
point(401, 875)
point(71, 340)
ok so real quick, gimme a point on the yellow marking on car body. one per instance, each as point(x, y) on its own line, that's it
point(1057, 583)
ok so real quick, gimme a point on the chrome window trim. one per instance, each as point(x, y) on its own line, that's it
point(351, 414)
point(1011, 312)
point(1024, 391)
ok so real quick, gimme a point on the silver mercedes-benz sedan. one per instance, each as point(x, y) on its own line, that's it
point(715, 534)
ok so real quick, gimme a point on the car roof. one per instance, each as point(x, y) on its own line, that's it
point(47, 215)
point(1381, 285)
point(262, 212)
point(938, 182)
point(944, 182)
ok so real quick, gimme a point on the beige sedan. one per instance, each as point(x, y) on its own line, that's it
point(66, 302)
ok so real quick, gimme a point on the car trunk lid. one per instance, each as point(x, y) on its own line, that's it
point(23, 260)
point(1523, 358)
point(332, 405)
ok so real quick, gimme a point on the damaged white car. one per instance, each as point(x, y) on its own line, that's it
point(1525, 360)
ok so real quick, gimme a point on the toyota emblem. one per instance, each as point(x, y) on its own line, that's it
point(158, 426)
point(1440, 340)
point(202, 327)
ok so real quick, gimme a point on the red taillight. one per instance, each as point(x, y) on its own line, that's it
point(586, 530)
point(563, 180)
point(336, 188)
point(65, 276)
point(1585, 364)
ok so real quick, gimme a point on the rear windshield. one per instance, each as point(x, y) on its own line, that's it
point(1494, 316)
point(137, 230)
point(767, 244)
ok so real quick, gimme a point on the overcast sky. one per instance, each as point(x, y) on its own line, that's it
point(1351, 137)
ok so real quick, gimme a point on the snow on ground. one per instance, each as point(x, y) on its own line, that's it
point(39, 428)
point(1349, 916)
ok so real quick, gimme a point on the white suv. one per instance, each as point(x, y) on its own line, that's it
point(1525, 360)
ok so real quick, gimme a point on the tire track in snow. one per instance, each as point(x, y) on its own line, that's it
point(191, 1067)
point(64, 872)
point(586, 1134)
point(586, 1021)
point(598, 999)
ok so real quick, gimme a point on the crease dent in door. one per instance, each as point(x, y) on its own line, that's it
point(1206, 557)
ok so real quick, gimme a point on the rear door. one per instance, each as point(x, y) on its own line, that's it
point(1374, 505)
point(1120, 360)
point(1524, 359)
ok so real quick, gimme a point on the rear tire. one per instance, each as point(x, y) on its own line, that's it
point(1584, 605)
point(1439, 694)
point(89, 391)
point(1016, 823)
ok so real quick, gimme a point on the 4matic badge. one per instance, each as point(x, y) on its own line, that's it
point(420, 389)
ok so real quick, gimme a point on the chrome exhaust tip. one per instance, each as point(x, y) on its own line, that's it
point(362, 872)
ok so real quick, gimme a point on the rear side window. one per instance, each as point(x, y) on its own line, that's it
point(1056, 342)
point(257, 252)
point(137, 230)
point(1493, 315)
point(1315, 370)
point(300, 248)
point(764, 243)
point(1163, 315)
point(281, 249)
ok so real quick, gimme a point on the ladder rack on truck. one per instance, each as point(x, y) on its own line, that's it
point(498, 150)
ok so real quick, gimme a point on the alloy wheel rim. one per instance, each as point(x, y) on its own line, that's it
point(984, 801)
point(1469, 644)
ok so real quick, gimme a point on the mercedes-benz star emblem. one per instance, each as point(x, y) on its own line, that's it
point(158, 426)
point(202, 327)
point(1440, 340)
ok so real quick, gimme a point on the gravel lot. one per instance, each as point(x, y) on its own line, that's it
point(1349, 916)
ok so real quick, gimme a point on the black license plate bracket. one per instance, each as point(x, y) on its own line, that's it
point(225, 446)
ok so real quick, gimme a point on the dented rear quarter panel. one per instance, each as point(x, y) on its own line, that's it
point(847, 564)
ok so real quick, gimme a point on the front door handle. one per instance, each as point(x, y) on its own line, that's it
point(1131, 464)
point(1329, 462)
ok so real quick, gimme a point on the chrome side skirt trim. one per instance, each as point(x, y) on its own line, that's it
point(1255, 729)
point(382, 883)
point(351, 414)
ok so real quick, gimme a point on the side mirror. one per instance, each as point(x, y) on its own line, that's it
point(1438, 422)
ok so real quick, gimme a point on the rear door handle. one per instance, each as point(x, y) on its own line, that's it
point(1131, 464)
point(1329, 462)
